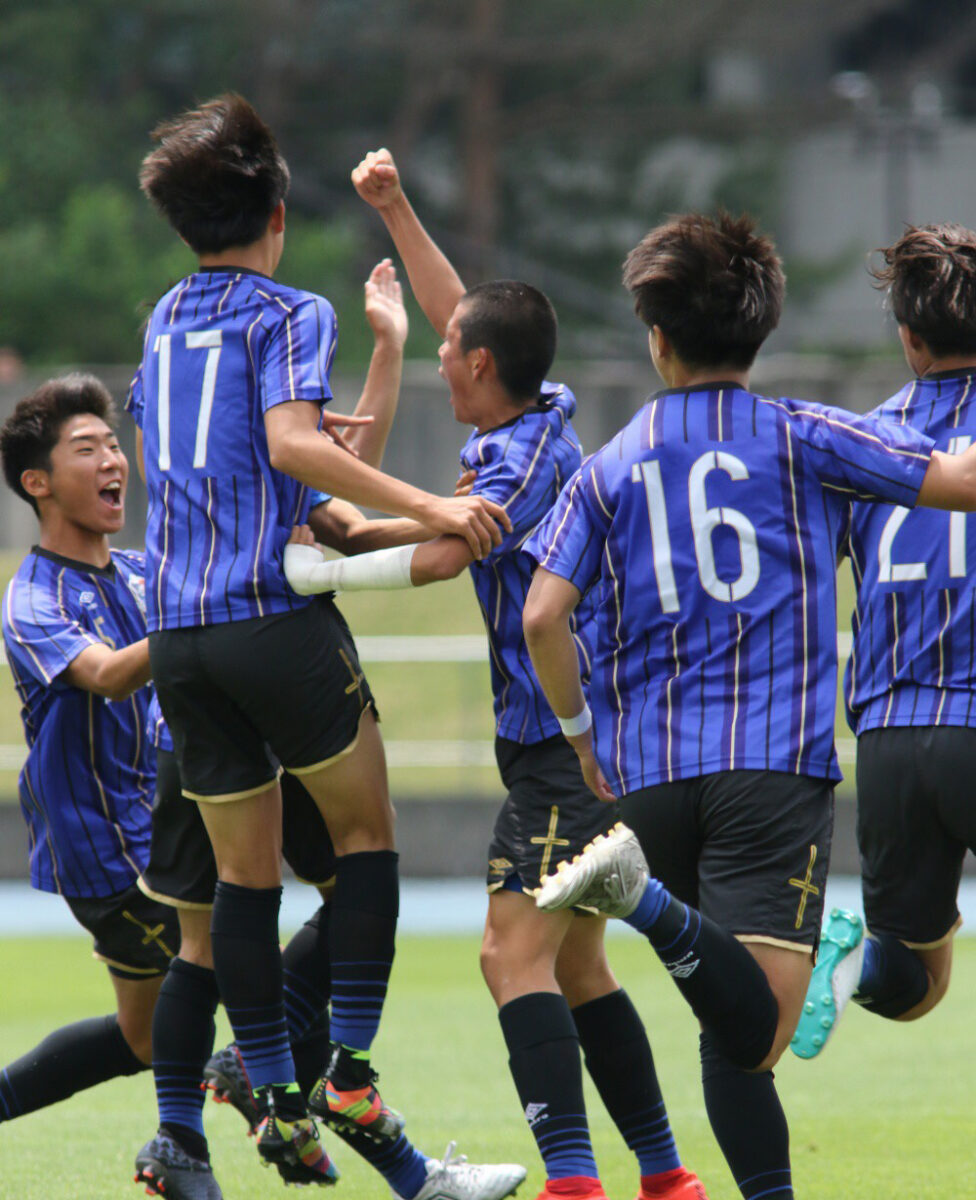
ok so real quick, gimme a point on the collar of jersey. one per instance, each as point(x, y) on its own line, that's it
point(88, 568)
point(232, 271)
point(540, 406)
point(955, 373)
point(716, 385)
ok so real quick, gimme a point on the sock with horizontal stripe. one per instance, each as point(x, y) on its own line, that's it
point(544, 1058)
point(247, 960)
point(307, 970)
point(69, 1060)
point(725, 986)
point(183, 1038)
point(749, 1125)
point(362, 934)
point(619, 1059)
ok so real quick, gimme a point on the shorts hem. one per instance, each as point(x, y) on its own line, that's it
point(316, 883)
point(230, 797)
point(782, 943)
point(328, 762)
point(141, 972)
point(939, 942)
point(172, 901)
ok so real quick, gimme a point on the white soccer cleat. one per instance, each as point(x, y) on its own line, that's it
point(834, 981)
point(454, 1178)
point(609, 875)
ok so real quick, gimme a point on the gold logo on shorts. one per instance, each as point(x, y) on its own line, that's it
point(550, 841)
point(807, 888)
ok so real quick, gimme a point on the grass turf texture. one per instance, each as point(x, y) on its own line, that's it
point(886, 1111)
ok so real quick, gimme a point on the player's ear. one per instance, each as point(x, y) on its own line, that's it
point(36, 482)
point(276, 224)
point(481, 362)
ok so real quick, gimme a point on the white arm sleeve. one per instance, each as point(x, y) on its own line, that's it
point(308, 572)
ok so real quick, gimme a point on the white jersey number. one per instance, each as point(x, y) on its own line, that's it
point(205, 339)
point(704, 522)
point(902, 572)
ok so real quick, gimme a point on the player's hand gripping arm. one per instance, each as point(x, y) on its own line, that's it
point(950, 481)
point(405, 565)
point(388, 320)
point(545, 621)
point(298, 449)
point(435, 283)
point(114, 674)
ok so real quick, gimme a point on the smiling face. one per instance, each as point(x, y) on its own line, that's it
point(85, 484)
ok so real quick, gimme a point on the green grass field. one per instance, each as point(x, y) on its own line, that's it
point(887, 1112)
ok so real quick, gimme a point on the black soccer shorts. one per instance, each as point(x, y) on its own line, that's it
point(748, 849)
point(182, 871)
point(916, 817)
point(549, 814)
point(244, 696)
point(134, 935)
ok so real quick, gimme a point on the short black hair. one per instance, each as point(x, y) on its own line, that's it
point(713, 285)
point(930, 277)
point(516, 322)
point(32, 430)
point(217, 174)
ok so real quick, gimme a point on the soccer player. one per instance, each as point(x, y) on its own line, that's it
point(706, 531)
point(74, 627)
point(910, 680)
point(548, 973)
point(181, 872)
point(234, 377)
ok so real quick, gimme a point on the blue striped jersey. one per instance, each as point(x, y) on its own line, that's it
point(86, 788)
point(707, 532)
point(913, 659)
point(222, 347)
point(521, 465)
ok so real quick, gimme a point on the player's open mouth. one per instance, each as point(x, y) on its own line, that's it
point(112, 494)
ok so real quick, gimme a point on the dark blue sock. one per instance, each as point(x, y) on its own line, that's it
point(618, 1057)
point(247, 960)
point(183, 1037)
point(362, 934)
point(871, 966)
point(749, 1125)
point(307, 972)
point(893, 978)
point(543, 1050)
point(718, 977)
point(69, 1060)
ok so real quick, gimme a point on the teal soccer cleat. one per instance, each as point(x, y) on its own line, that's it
point(834, 981)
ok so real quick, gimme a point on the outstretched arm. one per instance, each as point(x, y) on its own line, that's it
point(434, 281)
point(950, 481)
point(114, 674)
point(400, 565)
point(388, 320)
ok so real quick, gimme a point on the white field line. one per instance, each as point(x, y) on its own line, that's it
point(460, 648)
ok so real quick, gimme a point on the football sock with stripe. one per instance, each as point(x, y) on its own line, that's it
point(619, 1059)
point(725, 986)
point(183, 1038)
point(247, 961)
point(749, 1125)
point(307, 971)
point(362, 933)
point(543, 1049)
point(69, 1060)
point(893, 978)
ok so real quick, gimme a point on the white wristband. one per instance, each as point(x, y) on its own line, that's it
point(571, 726)
point(308, 572)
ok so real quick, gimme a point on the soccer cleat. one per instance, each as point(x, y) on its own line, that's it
point(609, 874)
point(687, 1187)
point(454, 1178)
point(834, 981)
point(226, 1076)
point(359, 1110)
point(295, 1149)
point(167, 1170)
point(583, 1188)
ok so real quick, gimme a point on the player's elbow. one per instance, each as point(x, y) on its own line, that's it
point(538, 620)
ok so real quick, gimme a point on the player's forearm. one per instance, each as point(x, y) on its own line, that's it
point(378, 570)
point(114, 674)
point(379, 398)
point(317, 462)
point(553, 652)
point(435, 283)
point(950, 481)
